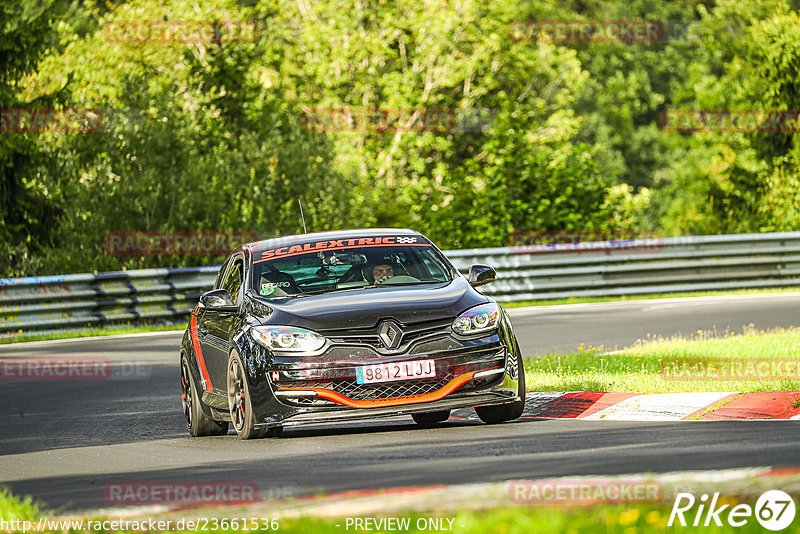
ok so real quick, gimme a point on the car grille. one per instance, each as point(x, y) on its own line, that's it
point(388, 390)
point(349, 388)
point(369, 337)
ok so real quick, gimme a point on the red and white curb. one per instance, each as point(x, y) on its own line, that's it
point(706, 406)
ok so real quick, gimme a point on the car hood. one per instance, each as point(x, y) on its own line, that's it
point(364, 308)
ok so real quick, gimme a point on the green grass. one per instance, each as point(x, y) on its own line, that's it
point(110, 331)
point(746, 362)
point(604, 518)
point(14, 508)
point(623, 518)
point(585, 300)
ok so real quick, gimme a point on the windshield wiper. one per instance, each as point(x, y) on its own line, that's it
point(318, 292)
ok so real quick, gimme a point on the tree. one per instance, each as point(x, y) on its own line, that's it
point(726, 181)
point(26, 212)
point(192, 139)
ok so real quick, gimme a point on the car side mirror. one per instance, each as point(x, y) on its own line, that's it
point(218, 300)
point(481, 274)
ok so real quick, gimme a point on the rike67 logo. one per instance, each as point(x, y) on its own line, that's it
point(774, 510)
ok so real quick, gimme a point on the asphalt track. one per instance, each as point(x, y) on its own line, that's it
point(64, 441)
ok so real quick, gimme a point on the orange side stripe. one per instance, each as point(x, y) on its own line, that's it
point(199, 352)
point(448, 388)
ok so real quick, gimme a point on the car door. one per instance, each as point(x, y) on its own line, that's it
point(215, 328)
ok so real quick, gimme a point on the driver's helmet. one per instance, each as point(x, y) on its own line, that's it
point(380, 265)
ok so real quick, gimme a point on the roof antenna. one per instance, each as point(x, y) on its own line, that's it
point(305, 231)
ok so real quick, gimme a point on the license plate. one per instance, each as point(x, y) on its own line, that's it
point(389, 372)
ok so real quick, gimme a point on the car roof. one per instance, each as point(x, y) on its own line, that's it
point(258, 246)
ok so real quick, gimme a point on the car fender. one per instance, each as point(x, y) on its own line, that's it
point(513, 354)
point(257, 362)
point(188, 350)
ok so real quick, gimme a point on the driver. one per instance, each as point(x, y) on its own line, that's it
point(381, 272)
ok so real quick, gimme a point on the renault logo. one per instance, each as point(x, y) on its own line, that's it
point(390, 334)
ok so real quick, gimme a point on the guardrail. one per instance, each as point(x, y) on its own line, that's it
point(640, 266)
point(64, 303)
point(40, 305)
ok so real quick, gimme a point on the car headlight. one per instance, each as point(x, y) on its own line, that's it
point(287, 338)
point(481, 318)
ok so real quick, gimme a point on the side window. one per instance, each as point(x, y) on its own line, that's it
point(221, 273)
point(233, 280)
point(435, 270)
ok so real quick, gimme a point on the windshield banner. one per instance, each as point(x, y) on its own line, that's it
point(343, 244)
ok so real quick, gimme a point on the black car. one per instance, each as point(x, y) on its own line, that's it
point(336, 326)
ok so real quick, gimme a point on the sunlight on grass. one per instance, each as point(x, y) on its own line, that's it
point(753, 360)
point(609, 517)
point(15, 508)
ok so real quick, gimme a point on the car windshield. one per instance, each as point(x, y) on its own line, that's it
point(291, 271)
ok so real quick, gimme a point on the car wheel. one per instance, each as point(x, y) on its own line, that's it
point(239, 403)
point(198, 423)
point(430, 418)
point(506, 412)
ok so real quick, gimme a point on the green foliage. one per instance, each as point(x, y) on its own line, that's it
point(191, 141)
point(724, 182)
point(464, 188)
point(779, 207)
point(27, 33)
point(12, 507)
point(213, 134)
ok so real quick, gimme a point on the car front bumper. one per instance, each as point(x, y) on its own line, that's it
point(316, 390)
point(452, 402)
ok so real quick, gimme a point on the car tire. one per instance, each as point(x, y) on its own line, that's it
point(431, 418)
point(198, 423)
point(506, 412)
point(241, 408)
